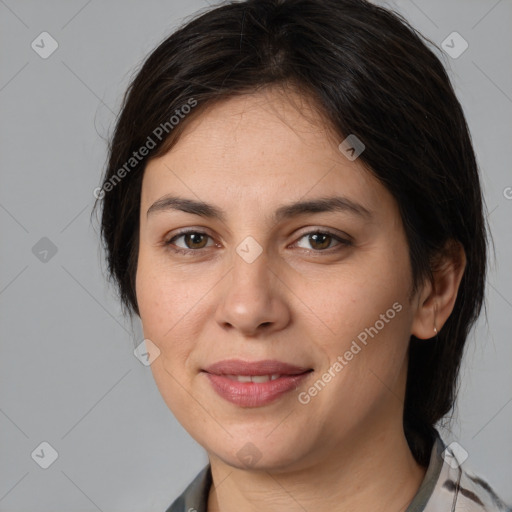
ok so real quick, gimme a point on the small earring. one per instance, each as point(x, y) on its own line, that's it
point(435, 330)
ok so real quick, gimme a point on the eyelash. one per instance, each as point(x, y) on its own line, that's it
point(343, 242)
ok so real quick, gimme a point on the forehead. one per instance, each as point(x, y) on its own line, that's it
point(260, 149)
point(267, 123)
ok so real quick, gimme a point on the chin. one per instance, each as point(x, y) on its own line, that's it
point(257, 452)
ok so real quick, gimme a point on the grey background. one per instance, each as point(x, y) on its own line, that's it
point(68, 375)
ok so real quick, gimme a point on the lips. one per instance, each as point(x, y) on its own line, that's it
point(266, 367)
point(254, 384)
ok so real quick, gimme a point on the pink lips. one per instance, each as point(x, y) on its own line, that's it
point(282, 377)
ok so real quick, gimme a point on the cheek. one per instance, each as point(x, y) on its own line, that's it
point(167, 316)
point(367, 317)
point(164, 294)
point(164, 304)
point(346, 300)
point(363, 371)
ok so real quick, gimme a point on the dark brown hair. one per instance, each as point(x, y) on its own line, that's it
point(370, 74)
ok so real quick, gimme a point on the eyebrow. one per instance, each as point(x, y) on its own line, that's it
point(320, 205)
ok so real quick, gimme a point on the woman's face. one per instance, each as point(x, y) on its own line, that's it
point(267, 274)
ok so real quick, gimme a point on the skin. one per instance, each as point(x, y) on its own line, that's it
point(298, 302)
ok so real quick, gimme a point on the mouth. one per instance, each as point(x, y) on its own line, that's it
point(253, 378)
point(254, 384)
point(254, 368)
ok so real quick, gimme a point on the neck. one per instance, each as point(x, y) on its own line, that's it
point(375, 472)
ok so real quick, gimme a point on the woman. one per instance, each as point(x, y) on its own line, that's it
point(292, 207)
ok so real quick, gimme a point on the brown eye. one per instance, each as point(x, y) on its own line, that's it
point(322, 240)
point(195, 240)
point(188, 241)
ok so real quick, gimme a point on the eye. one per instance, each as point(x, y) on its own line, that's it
point(322, 240)
point(192, 240)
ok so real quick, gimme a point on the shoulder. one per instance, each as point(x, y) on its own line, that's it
point(195, 497)
point(469, 493)
point(459, 489)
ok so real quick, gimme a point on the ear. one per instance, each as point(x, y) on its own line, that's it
point(436, 298)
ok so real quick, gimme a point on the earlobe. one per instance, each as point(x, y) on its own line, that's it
point(437, 297)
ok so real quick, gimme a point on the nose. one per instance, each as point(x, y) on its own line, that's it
point(253, 299)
